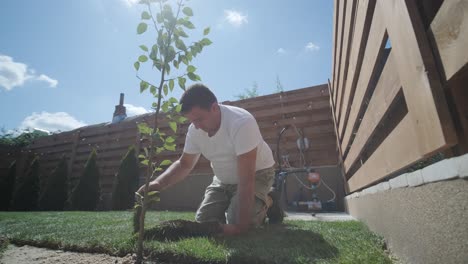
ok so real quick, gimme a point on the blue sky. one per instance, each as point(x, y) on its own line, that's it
point(63, 64)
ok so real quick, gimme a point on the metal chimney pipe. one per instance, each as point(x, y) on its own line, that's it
point(121, 98)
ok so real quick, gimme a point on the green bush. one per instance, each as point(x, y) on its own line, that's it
point(26, 195)
point(7, 185)
point(126, 182)
point(85, 196)
point(55, 194)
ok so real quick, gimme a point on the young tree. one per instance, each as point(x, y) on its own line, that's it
point(249, 93)
point(279, 85)
point(25, 196)
point(7, 185)
point(170, 50)
point(55, 193)
point(85, 196)
point(126, 182)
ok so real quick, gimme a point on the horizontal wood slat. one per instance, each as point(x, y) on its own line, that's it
point(373, 49)
point(450, 32)
point(384, 94)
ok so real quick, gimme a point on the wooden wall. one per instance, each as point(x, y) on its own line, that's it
point(307, 109)
point(397, 95)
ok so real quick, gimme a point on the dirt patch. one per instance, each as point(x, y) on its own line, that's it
point(34, 255)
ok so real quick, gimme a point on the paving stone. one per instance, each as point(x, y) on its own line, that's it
point(399, 182)
point(414, 178)
point(442, 170)
point(462, 165)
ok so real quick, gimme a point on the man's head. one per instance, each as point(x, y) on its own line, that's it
point(201, 107)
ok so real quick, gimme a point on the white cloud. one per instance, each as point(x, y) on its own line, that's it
point(130, 3)
point(13, 74)
point(45, 78)
point(235, 18)
point(312, 47)
point(51, 122)
point(281, 51)
point(135, 110)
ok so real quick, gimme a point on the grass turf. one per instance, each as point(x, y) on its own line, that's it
point(111, 233)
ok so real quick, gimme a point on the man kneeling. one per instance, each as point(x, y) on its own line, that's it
point(243, 164)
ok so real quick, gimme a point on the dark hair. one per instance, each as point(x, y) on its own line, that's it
point(197, 95)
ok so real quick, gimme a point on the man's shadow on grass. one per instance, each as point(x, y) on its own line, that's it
point(267, 244)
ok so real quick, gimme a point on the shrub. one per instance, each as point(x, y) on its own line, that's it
point(85, 196)
point(55, 195)
point(126, 182)
point(25, 196)
point(7, 185)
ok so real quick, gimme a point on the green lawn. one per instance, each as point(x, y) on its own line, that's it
point(111, 232)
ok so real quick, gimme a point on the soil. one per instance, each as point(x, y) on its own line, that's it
point(34, 255)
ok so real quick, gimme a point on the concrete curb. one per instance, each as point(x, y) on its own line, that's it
point(443, 170)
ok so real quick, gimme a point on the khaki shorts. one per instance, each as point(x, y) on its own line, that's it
point(221, 201)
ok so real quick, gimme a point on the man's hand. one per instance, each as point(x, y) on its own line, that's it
point(153, 186)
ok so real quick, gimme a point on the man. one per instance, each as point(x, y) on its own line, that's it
point(242, 162)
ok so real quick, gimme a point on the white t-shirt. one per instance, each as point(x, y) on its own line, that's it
point(238, 134)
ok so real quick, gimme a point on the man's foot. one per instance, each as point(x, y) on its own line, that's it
point(275, 213)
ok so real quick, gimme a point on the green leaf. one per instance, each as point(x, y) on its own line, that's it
point(176, 64)
point(170, 147)
point(145, 15)
point(144, 162)
point(185, 60)
point(136, 65)
point(143, 86)
point(188, 55)
point(154, 199)
point(191, 68)
point(171, 84)
point(153, 193)
point(165, 89)
point(165, 163)
point(192, 76)
point(181, 32)
point(206, 31)
point(153, 89)
point(181, 82)
point(170, 139)
point(141, 156)
point(205, 42)
point(143, 128)
point(159, 18)
point(186, 23)
point(187, 11)
point(173, 126)
point(143, 58)
point(173, 100)
point(142, 28)
point(143, 47)
point(158, 64)
point(182, 119)
point(178, 108)
point(153, 55)
point(165, 106)
point(180, 44)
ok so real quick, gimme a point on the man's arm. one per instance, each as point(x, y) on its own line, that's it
point(174, 174)
point(246, 192)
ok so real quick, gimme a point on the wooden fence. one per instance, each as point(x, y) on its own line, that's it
point(396, 88)
point(307, 109)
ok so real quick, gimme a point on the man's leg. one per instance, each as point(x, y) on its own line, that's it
point(263, 182)
point(214, 204)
